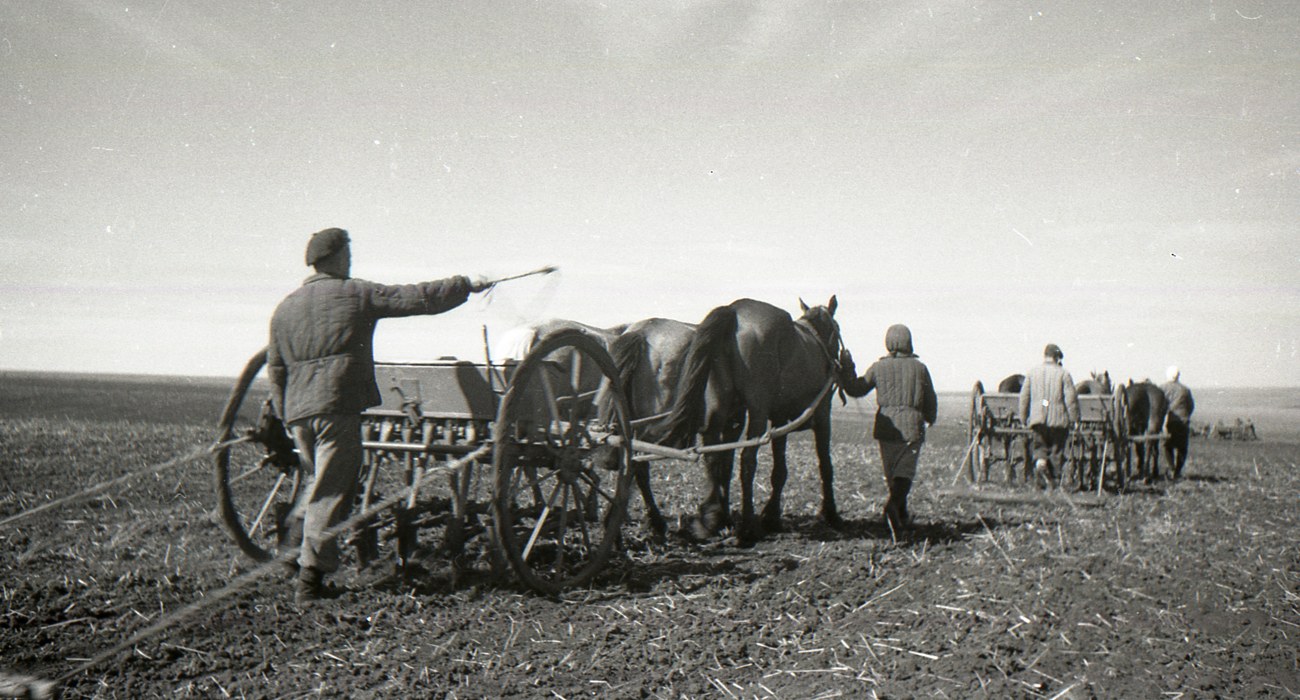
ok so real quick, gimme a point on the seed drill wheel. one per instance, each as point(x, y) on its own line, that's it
point(561, 487)
point(975, 436)
point(258, 480)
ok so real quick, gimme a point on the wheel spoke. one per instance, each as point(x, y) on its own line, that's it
point(575, 372)
point(552, 404)
point(582, 518)
point(595, 486)
point(270, 498)
point(249, 473)
point(541, 521)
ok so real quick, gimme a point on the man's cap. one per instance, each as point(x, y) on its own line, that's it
point(325, 243)
point(1053, 350)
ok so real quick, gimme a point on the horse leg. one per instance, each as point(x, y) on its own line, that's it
point(1155, 457)
point(772, 511)
point(715, 511)
point(658, 526)
point(822, 438)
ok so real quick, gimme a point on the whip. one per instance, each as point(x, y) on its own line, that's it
point(539, 271)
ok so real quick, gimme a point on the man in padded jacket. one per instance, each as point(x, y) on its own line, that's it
point(321, 366)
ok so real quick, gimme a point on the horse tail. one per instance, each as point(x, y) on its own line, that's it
point(628, 350)
point(688, 410)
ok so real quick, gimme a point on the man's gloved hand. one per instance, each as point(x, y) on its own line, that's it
point(480, 284)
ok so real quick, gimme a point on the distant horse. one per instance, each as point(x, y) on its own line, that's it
point(1147, 407)
point(1012, 384)
point(1088, 449)
point(1096, 384)
point(750, 366)
point(650, 356)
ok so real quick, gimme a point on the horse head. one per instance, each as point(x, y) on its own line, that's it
point(821, 320)
point(1103, 381)
point(1096, 384)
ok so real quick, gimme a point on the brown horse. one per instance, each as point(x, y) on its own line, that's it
point(1096, 384)
point(1147, 407)
point(1011, 384)
point(650, 356)
point(749, 367)
point(514, 344)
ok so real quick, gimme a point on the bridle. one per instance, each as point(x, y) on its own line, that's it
point(831, 348)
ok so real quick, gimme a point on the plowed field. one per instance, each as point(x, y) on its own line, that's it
point(1187, 590)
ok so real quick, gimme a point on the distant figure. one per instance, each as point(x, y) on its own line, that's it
point(906, 399)
point(1181, 406)
point(1049, 406)
point(322, 371)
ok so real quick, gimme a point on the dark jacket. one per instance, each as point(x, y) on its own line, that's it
point(904, 393)
point(1181, 404)
point(320, 359)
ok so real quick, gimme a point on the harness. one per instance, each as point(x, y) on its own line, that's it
point(831, 348)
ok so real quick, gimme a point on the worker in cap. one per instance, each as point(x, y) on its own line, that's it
point(906, 403)
point(1049, 405)
point(1177, 420)
point(322, 372)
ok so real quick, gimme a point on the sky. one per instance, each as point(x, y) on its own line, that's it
point(1119, 178)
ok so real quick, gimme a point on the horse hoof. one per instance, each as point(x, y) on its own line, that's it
point(695, 531)
point(772, 523)
point(833, 520)
point(712, 518)
point(658, 529)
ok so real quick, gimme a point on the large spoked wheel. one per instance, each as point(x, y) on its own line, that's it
point(563, 464)
point(258, 473)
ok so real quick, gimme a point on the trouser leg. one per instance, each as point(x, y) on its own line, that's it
point(898, 461)
point(332, 445)
point(1176, 446)
point(901, 488)
point(1049, 444)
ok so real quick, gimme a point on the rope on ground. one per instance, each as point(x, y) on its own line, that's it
point(194, 454)
point(179, 616)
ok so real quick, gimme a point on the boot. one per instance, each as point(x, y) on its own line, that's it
point(1041, 469)
point(900, 489)
point(309, 586)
